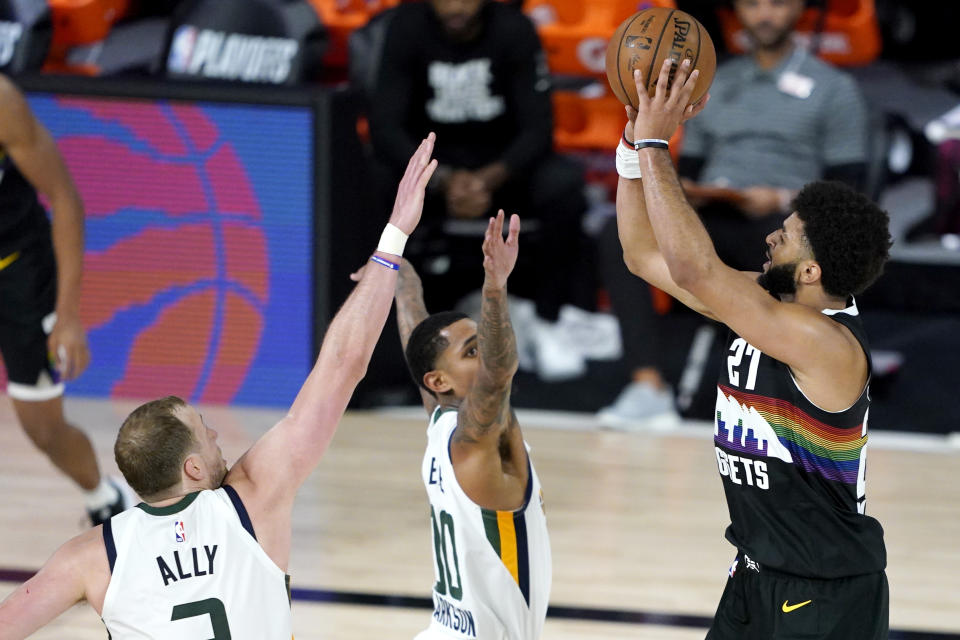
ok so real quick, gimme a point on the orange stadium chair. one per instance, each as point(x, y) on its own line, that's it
point(341, 18)
point(80, 22)
point(84, 21)
point(590, 123)
point(575, 33)
point(850, 36)
point(586, 123)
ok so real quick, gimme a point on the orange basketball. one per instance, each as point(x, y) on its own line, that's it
point(645, 39)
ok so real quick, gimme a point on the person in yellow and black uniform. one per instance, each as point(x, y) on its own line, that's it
point(41, 338)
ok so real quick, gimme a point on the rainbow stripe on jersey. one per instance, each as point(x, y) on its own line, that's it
point(829, 451)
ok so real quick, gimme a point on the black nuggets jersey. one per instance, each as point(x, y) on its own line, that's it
point(793, 473)
point(22, 219)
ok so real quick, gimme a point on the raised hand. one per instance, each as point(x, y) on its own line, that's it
point(499, 255)
point(658, 117)
point(408, 206)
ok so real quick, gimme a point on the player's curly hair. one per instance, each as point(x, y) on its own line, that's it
point(848, 234)
point(426, 344)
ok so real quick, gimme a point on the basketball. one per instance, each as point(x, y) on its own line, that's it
point(645, 39)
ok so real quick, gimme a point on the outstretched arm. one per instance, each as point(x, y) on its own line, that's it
point(277, 464)
point(487, 449)
point(791, 333)
point(35, 154)
point(486, 412)
point(640, 251)
point(411, 311)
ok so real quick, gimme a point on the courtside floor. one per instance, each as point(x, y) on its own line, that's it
point(636, 524)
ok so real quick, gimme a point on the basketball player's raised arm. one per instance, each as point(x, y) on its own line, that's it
point(486, 413)
point(411, 311)
point(791, 333)
point(35, 154)
point(640, 251)
point(76, 571)
point(281, 460)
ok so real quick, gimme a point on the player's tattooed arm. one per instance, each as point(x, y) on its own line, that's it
point(486, 410)
point(411, 311)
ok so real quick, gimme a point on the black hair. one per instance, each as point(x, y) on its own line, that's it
point(426, 344)
point(848, 234)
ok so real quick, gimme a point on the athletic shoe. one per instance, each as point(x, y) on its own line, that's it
point(640, 406)
point(125, 500)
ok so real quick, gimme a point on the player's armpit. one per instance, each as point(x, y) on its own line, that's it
point(483, 417)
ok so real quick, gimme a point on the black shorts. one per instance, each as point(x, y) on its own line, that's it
point(28, 294)
point(760, 604)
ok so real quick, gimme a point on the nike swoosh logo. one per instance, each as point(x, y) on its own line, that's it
point(787, 608)
point(5, 262)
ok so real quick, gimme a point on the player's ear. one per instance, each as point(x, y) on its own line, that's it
point(436, 382)
point(809, 272)
point(193, 468)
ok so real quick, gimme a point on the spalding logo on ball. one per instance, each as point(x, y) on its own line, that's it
point(647, 38)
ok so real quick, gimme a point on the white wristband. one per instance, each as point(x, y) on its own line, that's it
point(392, 240)
point(628, 162)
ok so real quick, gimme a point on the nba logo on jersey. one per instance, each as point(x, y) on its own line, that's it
point(179, 531)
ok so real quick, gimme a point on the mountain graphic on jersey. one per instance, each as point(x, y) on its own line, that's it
point(741, 428)
point(775, 428)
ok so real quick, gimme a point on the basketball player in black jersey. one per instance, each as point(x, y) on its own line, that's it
point(41, 338)
point(792, 401)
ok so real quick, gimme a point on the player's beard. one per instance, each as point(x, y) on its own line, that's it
point(779, 280)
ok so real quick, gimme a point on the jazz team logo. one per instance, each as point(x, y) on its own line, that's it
point(180, 531)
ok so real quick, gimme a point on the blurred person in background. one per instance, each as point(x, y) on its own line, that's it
point(41, 265)
point(778, 118)
point(474, 72)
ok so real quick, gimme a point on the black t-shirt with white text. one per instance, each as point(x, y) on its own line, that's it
point(487, 100)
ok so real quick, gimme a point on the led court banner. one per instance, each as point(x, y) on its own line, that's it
point(198, 267)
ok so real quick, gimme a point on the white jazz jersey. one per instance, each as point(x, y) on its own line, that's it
point(492, 568)
point(192, 570)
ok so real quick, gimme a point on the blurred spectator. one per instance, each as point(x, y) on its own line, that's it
point(473, 71)
point(944, 222)
point(777, 119)
point(42, 341)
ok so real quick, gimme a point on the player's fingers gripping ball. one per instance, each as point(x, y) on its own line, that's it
point(647, 38)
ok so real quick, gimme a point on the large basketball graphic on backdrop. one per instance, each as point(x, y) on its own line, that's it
point(198, 323)
point(186, 206)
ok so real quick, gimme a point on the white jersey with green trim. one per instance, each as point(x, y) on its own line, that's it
point(492, 568)
point(192, 570)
